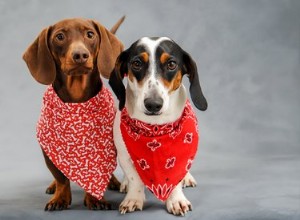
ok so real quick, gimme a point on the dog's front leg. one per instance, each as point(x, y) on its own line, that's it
point(62, 196)
point(124, 185)
point(177, 203)
point(134, 199)
point(135, 196)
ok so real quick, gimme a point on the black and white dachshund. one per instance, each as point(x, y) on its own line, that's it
point(155, 95)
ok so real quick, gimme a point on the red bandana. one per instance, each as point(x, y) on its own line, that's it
point(78, 138)
point(161, 154)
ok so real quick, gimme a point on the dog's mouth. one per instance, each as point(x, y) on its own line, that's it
point(152, 113)
point(79, 70)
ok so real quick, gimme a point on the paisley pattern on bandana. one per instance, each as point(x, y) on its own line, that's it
point(161, 154)
point(78, 139)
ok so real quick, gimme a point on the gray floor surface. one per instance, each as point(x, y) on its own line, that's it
point(248, 164)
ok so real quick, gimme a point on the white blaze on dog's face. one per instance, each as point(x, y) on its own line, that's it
point(154, 80)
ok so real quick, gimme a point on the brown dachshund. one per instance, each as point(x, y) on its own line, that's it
point(70, 55)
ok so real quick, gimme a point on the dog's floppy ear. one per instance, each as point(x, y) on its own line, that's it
point(197, 96)
point(109, 50)
point(116, 78)
point(39, 59)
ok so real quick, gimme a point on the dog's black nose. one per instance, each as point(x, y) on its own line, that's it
point(80, 56)
point(153, 105)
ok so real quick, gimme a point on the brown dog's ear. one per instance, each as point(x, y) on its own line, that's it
point(39, 59)
point(117, 76)
point(197, 96)
point(110, 48)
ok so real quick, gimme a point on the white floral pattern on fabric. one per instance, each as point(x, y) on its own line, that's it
point(143, 164)
point(170, 162)
point(188, 138)
point(153, 145)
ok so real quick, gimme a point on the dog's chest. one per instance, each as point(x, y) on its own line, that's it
point(161, 154)
point(77, 137)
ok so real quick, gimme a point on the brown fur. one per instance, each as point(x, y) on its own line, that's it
point(52, 61)
point(145, 57)
point(130, 76)
point(164, 57)
point(174, 83)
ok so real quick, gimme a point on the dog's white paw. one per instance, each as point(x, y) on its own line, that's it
point(178, 207)
point(189, 181)
point(131, 205)
point(177, 203)
point(124, 185)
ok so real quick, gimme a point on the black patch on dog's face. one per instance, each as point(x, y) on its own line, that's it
point(138, 62)
point(174, 54)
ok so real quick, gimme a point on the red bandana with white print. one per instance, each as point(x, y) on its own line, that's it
point(161, 154)
point(78, 139)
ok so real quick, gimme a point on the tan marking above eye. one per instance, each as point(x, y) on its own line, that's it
point(145, 57)
point(164, 57)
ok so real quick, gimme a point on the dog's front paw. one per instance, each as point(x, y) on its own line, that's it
point(189, 181)
point(58, 203)
point(178, 207)
point(94, 204)
point(131, 205)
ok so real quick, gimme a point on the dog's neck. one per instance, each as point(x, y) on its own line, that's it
point(176, 105)
point(76, 89)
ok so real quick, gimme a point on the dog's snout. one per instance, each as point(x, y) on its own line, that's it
point(80, 56)
point(153, 105)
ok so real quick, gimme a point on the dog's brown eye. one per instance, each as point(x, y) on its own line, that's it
point(60, 36)
point(171, 65)
point(136, 65)
point(90, 34)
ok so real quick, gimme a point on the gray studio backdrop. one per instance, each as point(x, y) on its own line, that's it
point(247, 52)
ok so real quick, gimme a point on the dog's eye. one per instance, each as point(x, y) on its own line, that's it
point(172, 65)
point(60, 37)
point(90, 34)
point(136, 65)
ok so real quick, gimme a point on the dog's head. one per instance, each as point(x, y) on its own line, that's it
point(155, 67)
point(72, 47)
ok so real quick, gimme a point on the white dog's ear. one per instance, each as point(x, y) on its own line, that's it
point(117, 76)
point(190, 68)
